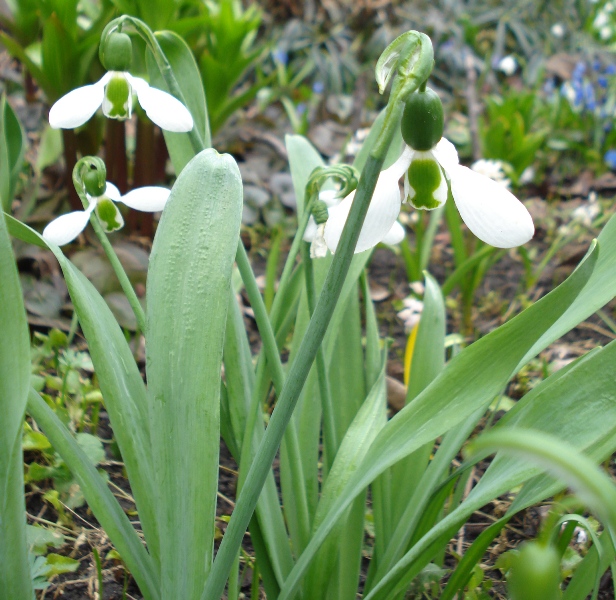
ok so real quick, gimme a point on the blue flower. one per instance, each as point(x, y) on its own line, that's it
point(280, 55)
point(610, 70)
point(318, 87)
point(610, 159)
point(602, 81)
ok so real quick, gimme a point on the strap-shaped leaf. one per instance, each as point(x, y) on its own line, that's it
point(121, 383)
point(15, 580)
point(188, 77)
point(188, 296)
point(469, 381)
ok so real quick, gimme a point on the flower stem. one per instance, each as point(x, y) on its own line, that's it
point(329, 424)
point(127, 286)
point(300, 368)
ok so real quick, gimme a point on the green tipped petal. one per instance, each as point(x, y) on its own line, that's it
point(424, 184)
point(118, 100)
point(109, 215)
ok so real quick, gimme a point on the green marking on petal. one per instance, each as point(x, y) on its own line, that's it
point(425, 176)
point(117, 103)
point(109, 215)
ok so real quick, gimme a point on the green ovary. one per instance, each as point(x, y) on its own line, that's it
point(109, 215)
point(425, 178)
point(116, 104)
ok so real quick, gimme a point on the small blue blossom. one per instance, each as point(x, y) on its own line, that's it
point(602, 81)
point(300, 108)
point(589, 96)
point(280, 55)
point(610, 70)
point(318, 87)
point(596, 65)
point(578, 71)
point(610, 159)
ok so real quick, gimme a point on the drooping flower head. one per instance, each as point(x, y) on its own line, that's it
point(101, 197)
point(114, 92)
point(429, 164)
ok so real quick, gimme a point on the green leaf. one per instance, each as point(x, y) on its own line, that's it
point(119, 377)
point(50, 148)
point(470, 381)
point(59, 564)
point(557, 456)
point(189, 282)
point(39, 538)
point(13, 145)
point(100, 500)
point(14, 383)
point(188, 77)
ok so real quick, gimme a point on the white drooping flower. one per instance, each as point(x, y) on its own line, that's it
point(411, 313)
point(489, 210)
point(316, 233)
point(66, 228)
point(114, 92)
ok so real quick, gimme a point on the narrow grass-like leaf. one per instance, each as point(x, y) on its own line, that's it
point(101, 501)
point(484, 368)
point(188, 296)
point(15, 580)
point(188, 77)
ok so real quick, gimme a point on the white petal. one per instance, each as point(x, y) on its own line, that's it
point(395, 235)
point(76, 107)
point(446, 154)
point(67, 227)
point(147, 199)
point(318, 248)
point(162, 108)
point(489, 210)
point(382, 213)
point(310, 231)
point(329, 197)
point(402, 164)
point(112, 192)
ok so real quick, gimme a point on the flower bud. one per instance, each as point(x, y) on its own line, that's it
point(422, 120)
point(117, 52)
point(535, 573)
point(95, 184)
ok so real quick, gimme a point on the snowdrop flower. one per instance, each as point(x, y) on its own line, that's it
point(508, 65)
point(114, 92)
point(429, 164)
point(558, 30)
point(494, 169)
point(66, 228)
point(315, 233)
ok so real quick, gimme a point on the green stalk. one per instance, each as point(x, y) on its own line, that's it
point(329, 423)
point(301, 366)
point(118, 269)
point(272, 357)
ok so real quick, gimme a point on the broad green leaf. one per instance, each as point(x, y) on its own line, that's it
point(188, 296)
point(470, 380)
point(15, 579)
point(13, 145)
point(59, 564)
point(188, 77)
point(50, 148)
point(101, 501)
point(39, 538)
